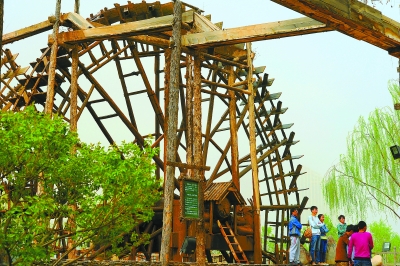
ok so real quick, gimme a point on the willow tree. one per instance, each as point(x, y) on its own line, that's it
point(367, 177)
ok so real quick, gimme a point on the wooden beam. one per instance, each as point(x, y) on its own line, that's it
point(265, 31)
point(352, 18)
point(77, 20)
point(27, 32)
point(201, 24)
point(122, 30)
point(65, 19)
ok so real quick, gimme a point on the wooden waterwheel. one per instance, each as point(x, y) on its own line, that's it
point(122, 84)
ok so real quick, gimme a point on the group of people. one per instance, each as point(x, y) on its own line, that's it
point(353, 249)
point(354, 245)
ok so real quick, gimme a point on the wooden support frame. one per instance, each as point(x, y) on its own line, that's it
point(219, 82)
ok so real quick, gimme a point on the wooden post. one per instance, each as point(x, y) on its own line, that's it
point(1, 28)
point(74, 82)
point(167, 71)
point(189, 131)
point(198, 159)
point(73, 123)
point(157, 92)
point(76, 6)
point(233, 131)
point(74, 90)
point(253, 157)
point(171, 133)
point(53, 63)
point(189, 114)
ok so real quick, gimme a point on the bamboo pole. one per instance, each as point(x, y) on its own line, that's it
point(253, 157)
point(171, 132)
point(53, 62)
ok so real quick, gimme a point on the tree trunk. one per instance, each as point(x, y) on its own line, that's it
point(171, 133)
point(253, 155)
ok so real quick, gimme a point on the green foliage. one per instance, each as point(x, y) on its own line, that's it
point(381, 233)
point(103, 193)
point(331, 226)
point(270, 245)
point(367, 177)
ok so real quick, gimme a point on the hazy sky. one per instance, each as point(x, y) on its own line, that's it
point(328, 80)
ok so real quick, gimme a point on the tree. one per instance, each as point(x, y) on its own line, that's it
point(332, 227)
point(381, 233)
point(113, 189)
point(367, 177)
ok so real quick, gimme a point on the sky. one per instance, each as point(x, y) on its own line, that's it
point(328, 80)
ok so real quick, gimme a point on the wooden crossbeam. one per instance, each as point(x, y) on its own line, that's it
point(265, 31)
point(73, 18)
point(239, 35)
point(27, 32)
point(352, 18)
point(121, 30)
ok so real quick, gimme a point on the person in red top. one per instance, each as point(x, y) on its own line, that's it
point(341, 258)
point(362, 244)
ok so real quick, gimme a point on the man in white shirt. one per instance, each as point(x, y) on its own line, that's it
point(315, 225)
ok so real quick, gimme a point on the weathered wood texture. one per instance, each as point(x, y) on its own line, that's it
point(253, 157)
point(197, 156)
point(1, 27)
point(172, 121)
point(27, 32)
point(53, 62)
point(122, 30)
point(259, 32)
point(352, 18)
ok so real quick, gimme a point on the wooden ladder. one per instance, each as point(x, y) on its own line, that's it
point(232, 242)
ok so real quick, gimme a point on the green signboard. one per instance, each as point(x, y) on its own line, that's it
point(190, 208)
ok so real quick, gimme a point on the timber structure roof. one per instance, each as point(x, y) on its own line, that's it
point(218, 191)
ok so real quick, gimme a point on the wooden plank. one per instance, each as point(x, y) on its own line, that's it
point(201, 24)
point(10, 73)
point(121, 30)
point(77, 20)
point(5, 59)
point(265, 31)
point(354, 19)
point(46, 25)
